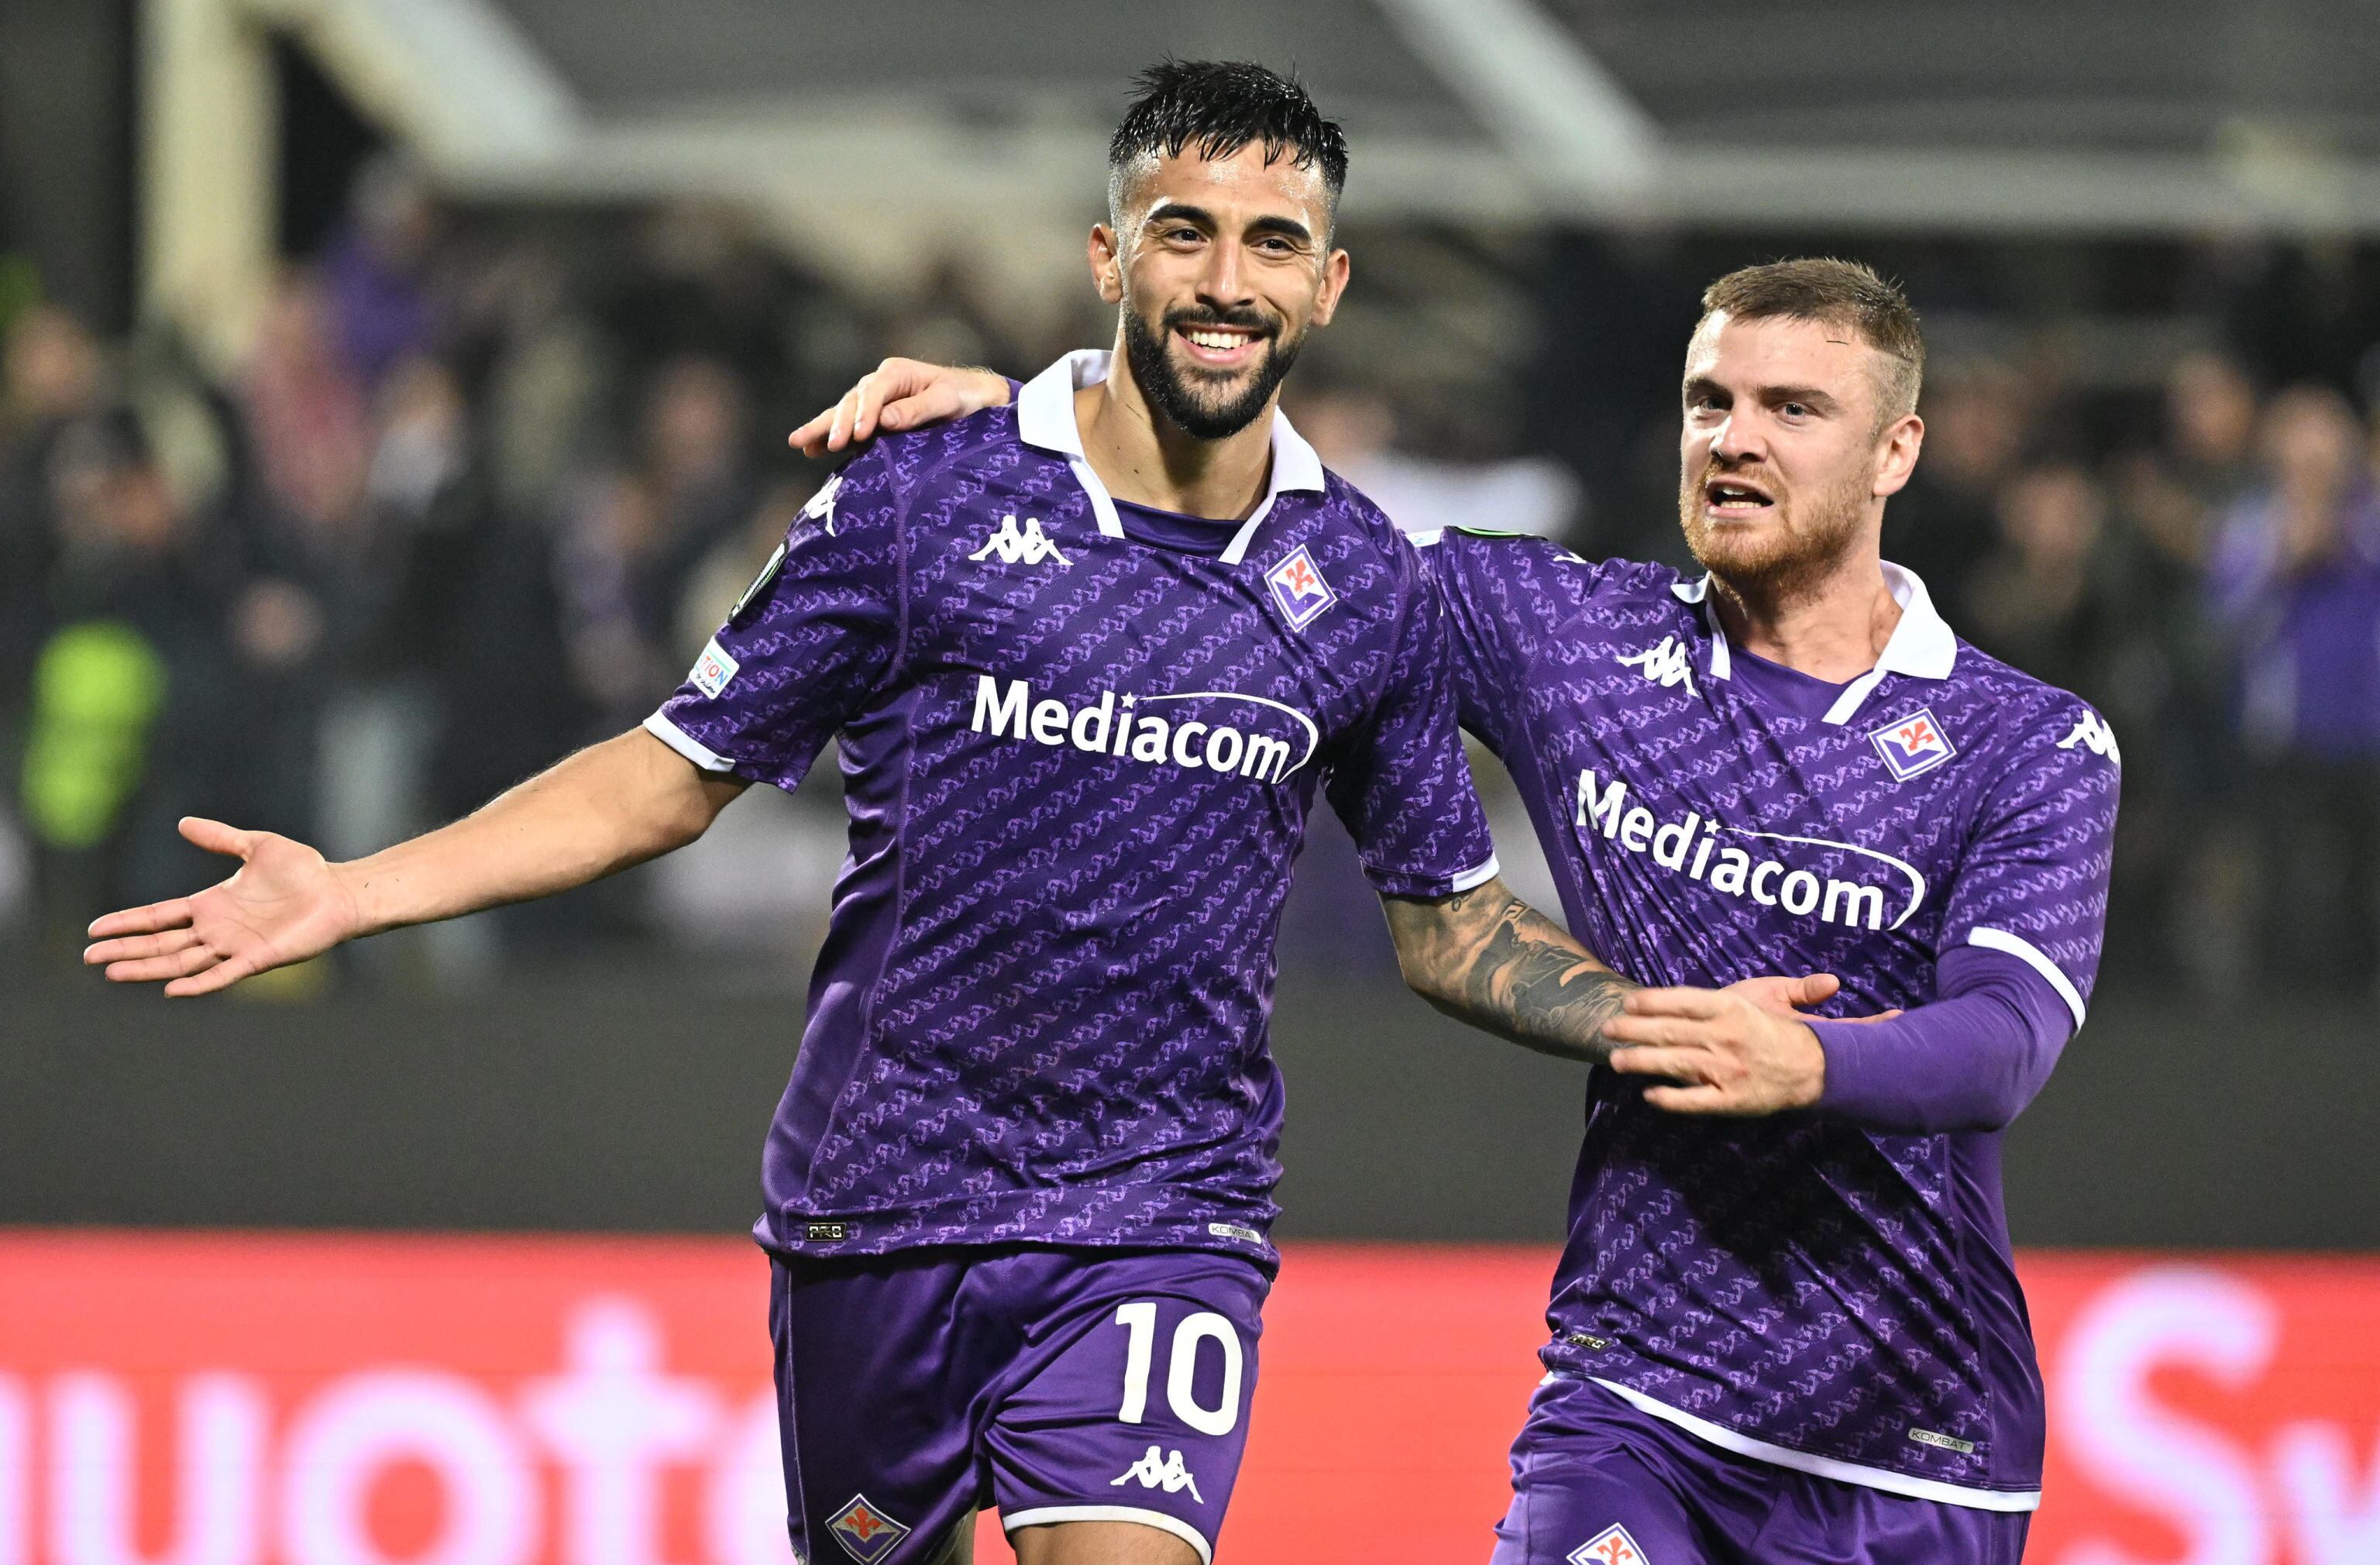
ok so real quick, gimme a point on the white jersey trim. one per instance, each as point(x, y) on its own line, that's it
point(1826, 1466)
point(686, 745)
point(1041, 1516)
point(1045, 418)
point(1472, 879)
point(2035, 958)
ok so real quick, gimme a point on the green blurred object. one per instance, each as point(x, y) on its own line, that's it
point(20, 286)
point(96, 690)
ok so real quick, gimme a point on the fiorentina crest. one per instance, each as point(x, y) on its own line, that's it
point(1913, 745)
point(866, 1533)
point(1610, 1547)
point(1299, 588)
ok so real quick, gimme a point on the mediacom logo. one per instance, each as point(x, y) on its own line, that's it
point(1115, 725)
point(1696, 847)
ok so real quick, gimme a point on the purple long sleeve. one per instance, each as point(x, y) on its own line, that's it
point(1971, 1060)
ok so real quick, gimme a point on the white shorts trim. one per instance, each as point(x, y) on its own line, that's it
point(2037, 959)
point(686, 745)
point(1825, 1466)
point(1472, 879)
point(1043, 1515)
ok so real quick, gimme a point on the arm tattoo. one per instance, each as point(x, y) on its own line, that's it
point(1489, 959)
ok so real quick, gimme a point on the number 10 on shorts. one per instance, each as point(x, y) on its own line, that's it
point(1182, 1367)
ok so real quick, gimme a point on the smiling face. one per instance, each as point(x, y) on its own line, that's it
point(1220, 266)
point(1784, 457)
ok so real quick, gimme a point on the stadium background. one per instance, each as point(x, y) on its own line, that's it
point(392, 400)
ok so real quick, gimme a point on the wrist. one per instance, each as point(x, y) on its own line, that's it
point(358, 895)
point(1810, 1076)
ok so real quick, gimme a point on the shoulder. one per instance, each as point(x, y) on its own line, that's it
point(2033, 730)
point(1525, 566)
point(896, 466)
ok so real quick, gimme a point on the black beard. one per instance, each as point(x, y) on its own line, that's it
point(1152, 367)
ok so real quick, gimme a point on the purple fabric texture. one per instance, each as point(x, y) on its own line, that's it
point(1971, 1060)
point(919, 1387)
point(1078, 770)
point(1811, 1284)
point(1598, 1482)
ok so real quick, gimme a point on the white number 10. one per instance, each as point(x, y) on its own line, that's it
point(1182, 1366)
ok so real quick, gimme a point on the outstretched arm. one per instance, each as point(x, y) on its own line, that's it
point(613, 805)
point(1486, 957)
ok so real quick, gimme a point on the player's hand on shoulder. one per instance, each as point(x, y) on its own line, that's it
point(1737, 1051)
point(283, 904)
point(900, 393)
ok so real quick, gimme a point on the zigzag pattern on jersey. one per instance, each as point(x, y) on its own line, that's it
point(1066, 1040)
point(1802, 1281)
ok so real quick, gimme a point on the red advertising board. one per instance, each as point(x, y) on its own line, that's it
point(340, 1401)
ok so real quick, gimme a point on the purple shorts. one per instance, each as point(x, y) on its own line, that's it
point(1059, 1384)
point(1598, 1482)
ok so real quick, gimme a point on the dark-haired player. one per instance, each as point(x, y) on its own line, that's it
point(1089, 662)
point(1786, 1327)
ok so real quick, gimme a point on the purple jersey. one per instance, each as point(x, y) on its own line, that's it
point(1077, 766)
point(1816, 1289)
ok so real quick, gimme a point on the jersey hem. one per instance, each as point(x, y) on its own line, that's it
point(1041, 1515)
point(660, 727)
point(771, 1232)
point(1727, 1439)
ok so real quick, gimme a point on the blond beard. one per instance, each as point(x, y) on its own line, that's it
point(1779, 560)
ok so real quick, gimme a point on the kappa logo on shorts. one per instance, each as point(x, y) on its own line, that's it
point(1913, 745)
point(866, 1533)
point(1299, 588)
point(1610, 1547)
point(1168, 1475)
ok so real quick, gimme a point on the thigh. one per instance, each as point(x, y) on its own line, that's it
point(1594, 1481)
point(1130, 1406)
point(872, 1409)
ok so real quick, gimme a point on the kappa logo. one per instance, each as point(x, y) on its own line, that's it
point(1667, 664)
point(1299, 588)
point(864, 1532)
point(1168, 1475)
point(2093, 733)
point(713, 670)
point(1610, 1547)
point(1912, 746)
point(822, 504)
point(1014, 548)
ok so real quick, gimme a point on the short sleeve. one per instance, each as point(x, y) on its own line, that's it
point(1401, 782)
point(2034, 879)
point(807, 644)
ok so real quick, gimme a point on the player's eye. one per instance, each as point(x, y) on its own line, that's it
point(1796, 410)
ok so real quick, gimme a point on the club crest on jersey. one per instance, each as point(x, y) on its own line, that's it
point(1299, 588)
point(866, 1533)
point(713, 670)
point(1610, 1547)
point(1913, 745)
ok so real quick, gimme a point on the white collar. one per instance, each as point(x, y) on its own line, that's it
point(1922, 646)
point(1045, 418)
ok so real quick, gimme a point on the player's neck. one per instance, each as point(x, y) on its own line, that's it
point(1832, 628)
point(1148, 460)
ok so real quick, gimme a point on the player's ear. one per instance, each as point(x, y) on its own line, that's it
point(1107, 263)
point(1897, 454)
point(1336, 268)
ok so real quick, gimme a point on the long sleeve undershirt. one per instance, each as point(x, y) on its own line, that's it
point(1971, 1060)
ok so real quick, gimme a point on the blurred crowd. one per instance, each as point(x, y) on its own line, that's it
point(481, 489)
